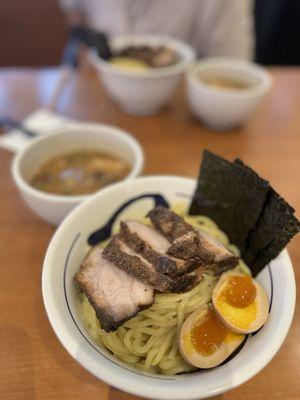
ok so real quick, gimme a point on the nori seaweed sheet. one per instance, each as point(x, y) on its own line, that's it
point(230, 194)
point(275, 228)
point(256, 218)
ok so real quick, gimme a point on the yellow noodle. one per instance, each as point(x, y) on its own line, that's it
point(165, 345)
point(149, 340)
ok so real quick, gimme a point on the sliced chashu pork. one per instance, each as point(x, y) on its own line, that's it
point(115, 295)
point(203, 248)
point(152, 246)
point(132, 262)
point(171, 225)
point(188, 243)
point(188, 281)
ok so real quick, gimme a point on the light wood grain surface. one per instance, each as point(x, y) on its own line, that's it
point(33, 364)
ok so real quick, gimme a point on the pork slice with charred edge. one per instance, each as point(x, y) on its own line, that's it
point(188, 243)
point(115, 295)
point(127, 259)
point(152, 246)
point(171, 225)
point(188, 281)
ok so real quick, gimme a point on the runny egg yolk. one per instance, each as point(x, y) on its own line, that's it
point(240, 291)
point(204, 340)
point(236, 302)
point(207, 336)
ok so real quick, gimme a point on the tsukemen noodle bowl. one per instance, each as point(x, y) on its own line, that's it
point(144, 72)
point(121, 358)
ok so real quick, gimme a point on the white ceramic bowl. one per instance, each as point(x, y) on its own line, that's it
point(81, 136)
point(222, 109)
point(69, 247)
point(143, 92)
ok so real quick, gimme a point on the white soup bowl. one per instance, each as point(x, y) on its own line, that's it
point(223, 109)
point(82, 136)
point(69, 247)
point(143, 92)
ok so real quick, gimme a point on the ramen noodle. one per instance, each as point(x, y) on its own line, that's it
point(148, 341)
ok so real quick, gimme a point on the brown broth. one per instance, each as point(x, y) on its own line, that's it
point(224, 83)
point(79, 173)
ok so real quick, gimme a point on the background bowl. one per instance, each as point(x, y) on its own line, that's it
point(69, 247)
point(222, 109)
point(52, 207)
point(143, 92)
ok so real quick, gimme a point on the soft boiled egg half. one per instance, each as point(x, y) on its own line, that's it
point(204, 341)
point(240, 302)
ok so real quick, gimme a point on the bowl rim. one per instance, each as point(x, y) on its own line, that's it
point(68, 340)
point(250, 68)
point(24, 186)
point(187, 52)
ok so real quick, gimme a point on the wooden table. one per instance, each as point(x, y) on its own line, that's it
point(33, 364)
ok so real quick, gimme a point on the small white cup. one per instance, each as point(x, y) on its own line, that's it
point(52, 207)
point(143, 92)
point(221, 109)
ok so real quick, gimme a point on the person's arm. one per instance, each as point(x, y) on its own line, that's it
point(225, 28)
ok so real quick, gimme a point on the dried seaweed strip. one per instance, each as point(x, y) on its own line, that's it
point(256, 218)
point(230, 194)
point(275, 228)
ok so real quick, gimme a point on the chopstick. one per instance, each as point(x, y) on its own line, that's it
point(8, 123)
point(69, 63)
point(78, 35)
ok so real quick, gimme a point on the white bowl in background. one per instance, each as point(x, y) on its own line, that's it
point(143, 92)
point(222, 109)
point(81, 136)
point(69, 247)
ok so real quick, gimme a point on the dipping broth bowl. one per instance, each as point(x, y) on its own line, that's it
point(143, 93)
point(68, 248)
point(82, 136)
point(221, 108)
